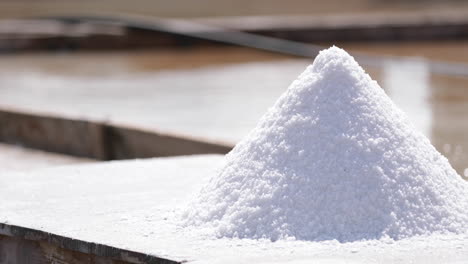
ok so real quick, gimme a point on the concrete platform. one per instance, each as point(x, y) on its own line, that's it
point(128, 212)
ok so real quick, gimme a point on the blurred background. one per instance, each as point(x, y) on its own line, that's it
point(207, 70)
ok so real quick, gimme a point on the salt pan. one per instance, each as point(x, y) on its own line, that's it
point(334, 158)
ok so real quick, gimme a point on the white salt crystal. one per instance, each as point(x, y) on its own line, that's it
point(334, 158)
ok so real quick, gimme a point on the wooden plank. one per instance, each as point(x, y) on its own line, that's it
point(74, 137)
point(19, 245)
point(127, 143)
point(265, 33)
point(383, 26)
point(96, 140)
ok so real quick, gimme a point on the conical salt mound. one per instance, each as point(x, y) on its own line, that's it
point(334, 158)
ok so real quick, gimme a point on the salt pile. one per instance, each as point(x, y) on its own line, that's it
point(334, 158)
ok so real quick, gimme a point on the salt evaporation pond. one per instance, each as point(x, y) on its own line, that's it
point(426, 197)
point(198, 92)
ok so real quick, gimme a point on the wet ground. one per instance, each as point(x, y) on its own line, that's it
point(220, 93)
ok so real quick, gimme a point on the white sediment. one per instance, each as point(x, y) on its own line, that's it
point(334, 158)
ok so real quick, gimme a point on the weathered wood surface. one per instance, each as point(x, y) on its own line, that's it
point(19, 245)
point(97, 140)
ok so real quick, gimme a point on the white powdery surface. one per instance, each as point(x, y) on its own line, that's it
point(134, 204)
point(334, 158)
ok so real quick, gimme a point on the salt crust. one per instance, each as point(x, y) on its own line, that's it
point(334, 158)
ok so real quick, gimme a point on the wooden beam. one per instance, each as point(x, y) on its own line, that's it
point(20, 245)
point(97, 140)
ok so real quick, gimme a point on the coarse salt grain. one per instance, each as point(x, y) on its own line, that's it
point(334, 158)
